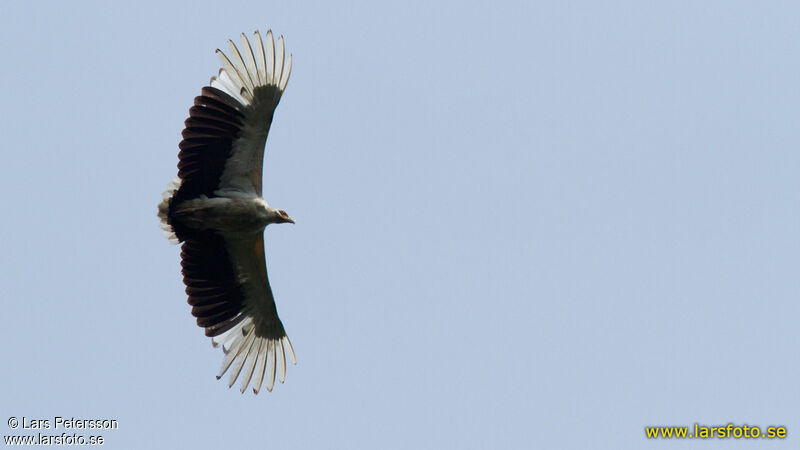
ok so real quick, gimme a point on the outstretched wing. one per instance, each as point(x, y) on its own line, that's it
point(222, 150)
point(226, 280)
point(269, 341)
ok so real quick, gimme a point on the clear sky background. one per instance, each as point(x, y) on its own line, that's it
point(519, 225)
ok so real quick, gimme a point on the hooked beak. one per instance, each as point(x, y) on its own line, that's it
point(285, 216)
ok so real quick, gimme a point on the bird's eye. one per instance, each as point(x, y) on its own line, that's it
point(283, 213)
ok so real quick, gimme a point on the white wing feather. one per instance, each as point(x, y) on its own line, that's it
point(250, 357)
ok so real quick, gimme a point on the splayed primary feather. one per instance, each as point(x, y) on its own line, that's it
point(248, 356)
point(262, 66)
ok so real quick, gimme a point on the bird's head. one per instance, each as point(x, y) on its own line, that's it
point(283, 217)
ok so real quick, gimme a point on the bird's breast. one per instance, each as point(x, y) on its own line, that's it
point(247, 214)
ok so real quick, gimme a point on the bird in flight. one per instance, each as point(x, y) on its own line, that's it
point(215, 209)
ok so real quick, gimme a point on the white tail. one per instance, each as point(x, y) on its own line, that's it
point(163, 210)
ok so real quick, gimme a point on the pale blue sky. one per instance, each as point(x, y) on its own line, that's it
point(519, 225)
